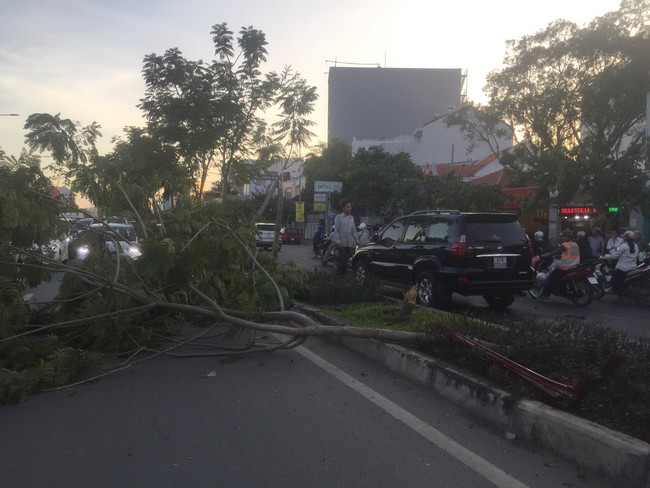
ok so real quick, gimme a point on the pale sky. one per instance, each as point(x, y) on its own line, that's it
point(83, 58)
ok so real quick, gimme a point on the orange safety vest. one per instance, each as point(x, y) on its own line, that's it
point(570, 256)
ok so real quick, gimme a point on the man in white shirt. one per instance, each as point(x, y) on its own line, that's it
point(613, 242)
point(346, 231)
point(597, 243)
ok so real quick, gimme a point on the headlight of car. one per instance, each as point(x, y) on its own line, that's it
point(133, 252)
point(83, 251)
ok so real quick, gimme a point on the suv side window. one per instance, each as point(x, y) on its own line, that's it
point(438, 231)
point(415, 231)
point(393, 232)
point(506, 233)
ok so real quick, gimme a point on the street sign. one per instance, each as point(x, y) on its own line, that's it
point(327, 186)
point(320, 197)
point(300, 211)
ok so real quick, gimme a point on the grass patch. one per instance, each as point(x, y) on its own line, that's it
point(381, 314)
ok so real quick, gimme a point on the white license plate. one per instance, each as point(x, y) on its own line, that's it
point(500, 262)
point(592, 280)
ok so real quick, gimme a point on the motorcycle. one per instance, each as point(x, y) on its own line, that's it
point(320, 249)
point(319, 245)
point(635, 285)
point(603, 275)
point(576, 285)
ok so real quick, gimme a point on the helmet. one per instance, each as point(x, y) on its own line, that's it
point(629, 235)
point(581, 233)
point(362, 226)
point(566, 233)
point(539, 235)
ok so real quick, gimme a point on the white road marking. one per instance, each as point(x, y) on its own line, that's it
point(489, 471)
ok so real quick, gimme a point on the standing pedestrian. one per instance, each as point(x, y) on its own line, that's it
point(596, 242)
point(613, 242)
point(347, 234)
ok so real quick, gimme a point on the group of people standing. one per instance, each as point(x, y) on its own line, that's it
point(571, 252)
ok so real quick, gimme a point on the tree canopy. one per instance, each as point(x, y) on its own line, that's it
point(388, 185)
point(576, 98)
point(208, 112)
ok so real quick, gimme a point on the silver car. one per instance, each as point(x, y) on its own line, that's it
point(265, 235)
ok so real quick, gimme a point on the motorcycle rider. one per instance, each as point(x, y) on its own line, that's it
point(539, 246)
point(569, 258)
point(318, 238)
point(334, 243)
point(643, 246)
point(626, 254)
point(585, 248)
point(363, 233)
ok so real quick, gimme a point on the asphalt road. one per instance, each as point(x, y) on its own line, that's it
point(314, 416)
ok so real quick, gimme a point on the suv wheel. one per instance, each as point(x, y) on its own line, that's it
point(427, 289)
point(499, 302)
point(361, 271)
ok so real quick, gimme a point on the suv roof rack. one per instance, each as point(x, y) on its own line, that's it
point(436, 211)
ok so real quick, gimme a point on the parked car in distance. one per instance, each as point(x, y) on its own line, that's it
point(113, 235)
point(290, 235)
point(265, 235)
point(442, 252)
point(57, 249)
point(80, 225)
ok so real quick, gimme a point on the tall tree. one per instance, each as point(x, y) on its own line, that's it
point(451, 192)
point(72, 146)
point(576, 97)
point(326, 164)
point(134, 177)
point(291, 134)
point(207, 112)
point(380, 182)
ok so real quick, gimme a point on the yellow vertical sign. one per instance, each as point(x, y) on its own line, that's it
point(300, 211)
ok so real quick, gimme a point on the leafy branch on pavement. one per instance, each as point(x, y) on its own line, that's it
point(206, 269)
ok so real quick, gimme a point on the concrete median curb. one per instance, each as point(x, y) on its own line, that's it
point(623, 458)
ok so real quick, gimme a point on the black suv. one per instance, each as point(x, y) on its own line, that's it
point(447, 251)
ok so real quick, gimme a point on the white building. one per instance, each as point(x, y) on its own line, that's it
point(292, 180)
point(436, 142)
